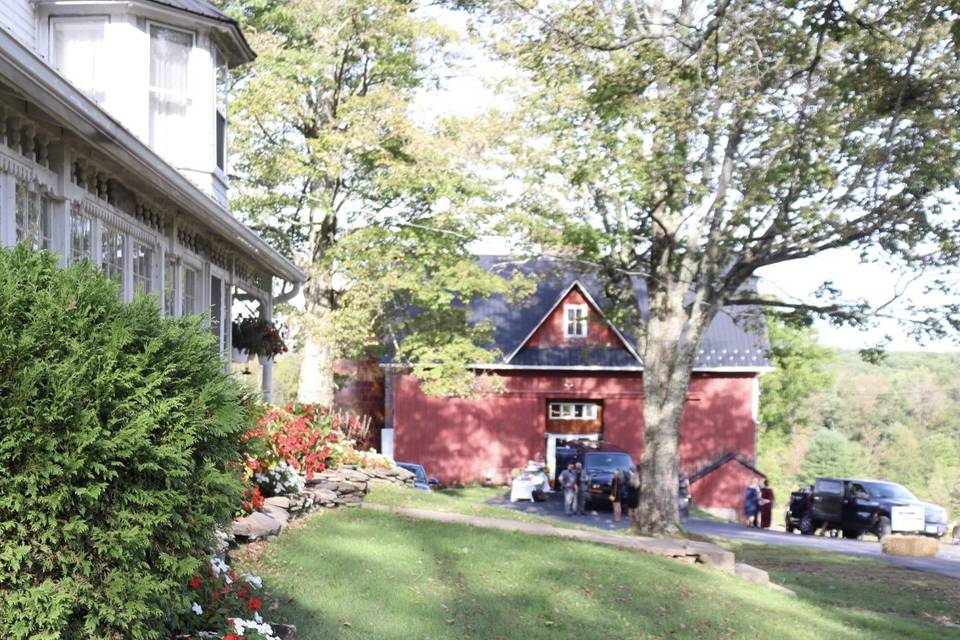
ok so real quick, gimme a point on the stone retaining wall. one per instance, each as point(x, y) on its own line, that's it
point(344, 487)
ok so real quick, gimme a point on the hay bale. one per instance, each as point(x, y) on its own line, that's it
point(912, 546)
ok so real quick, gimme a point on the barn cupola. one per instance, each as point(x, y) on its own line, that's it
point(160, 67)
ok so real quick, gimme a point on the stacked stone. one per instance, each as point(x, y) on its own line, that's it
point(344, 487)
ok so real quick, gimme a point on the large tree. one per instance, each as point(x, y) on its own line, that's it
point(692, 143)
point(333, 167)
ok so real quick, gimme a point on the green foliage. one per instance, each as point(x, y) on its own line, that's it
point(801, 369)
point(830, 454)
point(334, 168)
point(118, 429)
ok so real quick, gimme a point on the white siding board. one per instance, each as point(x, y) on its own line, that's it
point(18, 17)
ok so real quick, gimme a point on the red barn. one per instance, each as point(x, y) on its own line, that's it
point(568, 371)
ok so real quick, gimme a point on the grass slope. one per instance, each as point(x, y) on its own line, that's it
point(366, 574)
point(470, 500)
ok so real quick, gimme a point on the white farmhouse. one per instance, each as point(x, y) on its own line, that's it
point(113, 121)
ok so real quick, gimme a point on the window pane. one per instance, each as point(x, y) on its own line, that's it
point(142, 268)
point(22, 214)
point(42, 225)
point(81, 237)
point(189, 291)
point(77, 52)
point(112, 258)
point(169, 98)
point(169, 291)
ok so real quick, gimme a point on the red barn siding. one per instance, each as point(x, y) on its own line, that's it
point(550, 333)
point(723, 489)
point(471, 440)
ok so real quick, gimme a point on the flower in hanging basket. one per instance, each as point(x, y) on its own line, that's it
point(259, 337)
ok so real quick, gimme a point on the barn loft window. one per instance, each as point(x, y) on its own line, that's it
point(575, 320)
point(169, 88)
point(573, 410)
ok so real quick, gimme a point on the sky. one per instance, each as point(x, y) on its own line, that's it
point(468, 89)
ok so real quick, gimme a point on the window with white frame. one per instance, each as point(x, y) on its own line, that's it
point(32, 217)
point(81, 237)
point(189, 301)
point(142, 267)
point(573, 410)
point(111, 258)
point(169, 286)
point(169, 87)
point(575, 320)
point(222, 88)
point(77, 51)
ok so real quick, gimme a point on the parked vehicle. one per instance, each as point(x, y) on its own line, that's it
point(854, 506)
point(599, 460)
point(422, 481)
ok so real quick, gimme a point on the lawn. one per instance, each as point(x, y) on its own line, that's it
point(471, 500)
point(831, 579)
point(366, 574)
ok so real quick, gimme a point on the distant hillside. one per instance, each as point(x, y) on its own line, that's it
point(897, 420)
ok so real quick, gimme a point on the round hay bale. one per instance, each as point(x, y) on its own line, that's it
point(912, 546)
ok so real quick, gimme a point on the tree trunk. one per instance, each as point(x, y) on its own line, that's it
point(316, 383)
point(668, 356)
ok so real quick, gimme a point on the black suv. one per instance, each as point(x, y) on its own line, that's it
point(854, 506)
point(599, 460)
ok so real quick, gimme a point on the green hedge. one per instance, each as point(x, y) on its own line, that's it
point(119, 431)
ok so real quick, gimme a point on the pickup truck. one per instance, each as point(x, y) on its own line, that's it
point(854, 506)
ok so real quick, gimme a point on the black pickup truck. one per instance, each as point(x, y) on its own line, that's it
point(854, 506)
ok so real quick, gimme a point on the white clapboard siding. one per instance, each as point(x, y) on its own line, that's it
point(18, 17)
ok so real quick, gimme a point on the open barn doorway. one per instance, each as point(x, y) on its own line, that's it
point(569, 421)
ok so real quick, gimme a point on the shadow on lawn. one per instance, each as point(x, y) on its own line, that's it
point(373, 575)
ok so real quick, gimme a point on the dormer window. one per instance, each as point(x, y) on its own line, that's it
point(77, 52)
point(169, 87)
point(575, 321)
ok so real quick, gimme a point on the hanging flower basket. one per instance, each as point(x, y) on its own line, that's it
point(238, 356)
point(256, 336)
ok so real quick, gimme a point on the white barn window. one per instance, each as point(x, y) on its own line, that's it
point(573, 410)
point(77, 52)
point(575, 320)
point(220, 123)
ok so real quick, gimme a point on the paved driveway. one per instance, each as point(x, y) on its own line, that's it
point(947, 562)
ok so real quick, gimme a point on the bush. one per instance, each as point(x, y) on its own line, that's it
point(118, 435)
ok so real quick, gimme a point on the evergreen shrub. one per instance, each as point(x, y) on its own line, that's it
point(119, 440)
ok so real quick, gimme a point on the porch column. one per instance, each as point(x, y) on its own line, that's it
point(266, 382)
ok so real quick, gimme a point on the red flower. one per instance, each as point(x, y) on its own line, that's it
point(254, 604)
point(195, 582)
point(231, 636)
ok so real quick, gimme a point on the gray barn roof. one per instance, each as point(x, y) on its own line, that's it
point(736, 338)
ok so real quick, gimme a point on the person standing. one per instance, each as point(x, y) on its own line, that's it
point(616, 494)
point(751, 503)
point(683, 495)
point(568, 482)
point(766, 504)
point(633, 495)
point(583, 487)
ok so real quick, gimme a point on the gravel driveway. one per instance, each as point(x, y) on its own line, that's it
point(947, 562)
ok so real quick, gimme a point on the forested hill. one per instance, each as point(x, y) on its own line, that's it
point(828, 412)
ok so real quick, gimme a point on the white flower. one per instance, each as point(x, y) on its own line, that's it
point(218, 566)
point(256, 581)
point(197, 609)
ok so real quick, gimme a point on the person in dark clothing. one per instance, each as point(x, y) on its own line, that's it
point(766, 505)
point(617, 493)
point(633, 495)
point(683, 495)
point(751, 503)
